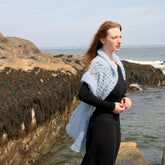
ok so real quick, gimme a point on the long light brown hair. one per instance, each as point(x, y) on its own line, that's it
point(96, 43)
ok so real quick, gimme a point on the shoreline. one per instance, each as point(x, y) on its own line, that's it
point(34, 87)
point(157, 62)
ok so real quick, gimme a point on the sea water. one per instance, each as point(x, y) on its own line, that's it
point(143, 123)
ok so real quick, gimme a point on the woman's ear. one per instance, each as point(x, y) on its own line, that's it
point(102, 40)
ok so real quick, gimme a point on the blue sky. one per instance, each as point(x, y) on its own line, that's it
point(65, 23)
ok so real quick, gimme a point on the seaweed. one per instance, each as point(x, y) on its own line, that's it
point(37, 89)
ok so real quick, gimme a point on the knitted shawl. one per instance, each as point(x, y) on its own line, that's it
point(101, 78)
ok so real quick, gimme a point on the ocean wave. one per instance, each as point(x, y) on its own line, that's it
point(156, 64)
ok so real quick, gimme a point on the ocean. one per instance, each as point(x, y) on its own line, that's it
point(144, 123)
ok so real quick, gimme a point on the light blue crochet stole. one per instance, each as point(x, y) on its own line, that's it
point(101, 78)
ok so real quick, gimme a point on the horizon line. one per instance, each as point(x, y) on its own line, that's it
point(85, 47)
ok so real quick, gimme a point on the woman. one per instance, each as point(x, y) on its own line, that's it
point(96, 121)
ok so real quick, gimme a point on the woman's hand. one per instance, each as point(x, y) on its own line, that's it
point(119, 108)
point(126, 102)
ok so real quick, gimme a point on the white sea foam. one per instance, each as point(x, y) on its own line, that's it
point(156, 64)
point(137, 86)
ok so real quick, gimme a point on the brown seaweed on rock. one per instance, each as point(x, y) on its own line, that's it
point(38, 89)
point(48, 91)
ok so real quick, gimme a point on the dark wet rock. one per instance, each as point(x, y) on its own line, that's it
point(144, 75)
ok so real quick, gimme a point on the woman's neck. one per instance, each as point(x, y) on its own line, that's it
point(108, 52)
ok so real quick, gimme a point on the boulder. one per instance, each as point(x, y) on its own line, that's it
point(12, 47)
point(143, 75)
point(129, 154)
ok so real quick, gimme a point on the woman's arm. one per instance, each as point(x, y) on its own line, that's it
point(86, 96)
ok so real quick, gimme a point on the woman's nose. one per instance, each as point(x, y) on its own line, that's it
point(119, 40)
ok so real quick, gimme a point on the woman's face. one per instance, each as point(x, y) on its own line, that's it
point(112, 41)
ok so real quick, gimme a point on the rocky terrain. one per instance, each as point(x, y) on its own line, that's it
point(143, 75)
point(37, 91)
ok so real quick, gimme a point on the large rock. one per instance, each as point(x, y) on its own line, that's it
point(29, 99)
point(19, 52)
point(22, 54)
point(34, 85)
point(11, 47)
point(143, 75)
point(129, 154)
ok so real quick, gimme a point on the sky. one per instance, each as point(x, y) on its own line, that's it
point(67, 23)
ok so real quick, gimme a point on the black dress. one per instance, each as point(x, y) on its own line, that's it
point(103, 135)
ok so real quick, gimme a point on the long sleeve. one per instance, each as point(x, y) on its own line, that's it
point(86, 96)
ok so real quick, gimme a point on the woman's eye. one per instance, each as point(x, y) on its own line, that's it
point(114, 37)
